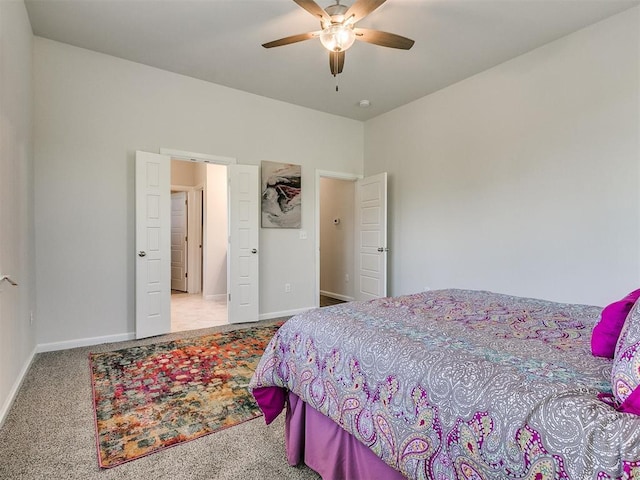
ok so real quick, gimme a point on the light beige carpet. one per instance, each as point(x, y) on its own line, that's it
point(49, 432)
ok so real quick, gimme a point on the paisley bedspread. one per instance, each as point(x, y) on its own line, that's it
point(457, 384)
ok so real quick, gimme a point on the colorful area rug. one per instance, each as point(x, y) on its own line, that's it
point(151, 397)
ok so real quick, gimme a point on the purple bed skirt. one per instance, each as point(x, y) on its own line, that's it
point(319, 442)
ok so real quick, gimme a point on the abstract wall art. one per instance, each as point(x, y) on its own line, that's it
point(281, 199)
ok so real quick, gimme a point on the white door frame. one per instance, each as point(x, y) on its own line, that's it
point(194, 235)
point(196, 264)
point(200, 158)
point(338, 176)
point(185, 238)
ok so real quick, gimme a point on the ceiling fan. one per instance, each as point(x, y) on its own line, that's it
point(339, 31)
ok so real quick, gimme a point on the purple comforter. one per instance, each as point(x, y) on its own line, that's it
point(461, 384)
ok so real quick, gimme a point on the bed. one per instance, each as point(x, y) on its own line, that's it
point(447, 384)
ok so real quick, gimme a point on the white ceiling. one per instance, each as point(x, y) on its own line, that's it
point(220, 41)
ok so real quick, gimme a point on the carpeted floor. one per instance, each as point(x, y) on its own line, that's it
point(49, 432)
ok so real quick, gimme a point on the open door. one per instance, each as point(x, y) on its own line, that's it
point(153, 244)
point(179, 227)
point(371, 237)
point(242, 253)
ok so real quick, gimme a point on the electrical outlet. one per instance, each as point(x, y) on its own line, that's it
point(287, 287)
point(31, 318)
point(346, 278)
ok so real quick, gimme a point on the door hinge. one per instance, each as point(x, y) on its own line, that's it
point(229, 297)
point(186, 274)
point(185, 238)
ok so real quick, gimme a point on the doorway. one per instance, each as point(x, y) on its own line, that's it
point(336, 222)
point(357, 270)
point(153, 240)
point(198, 245)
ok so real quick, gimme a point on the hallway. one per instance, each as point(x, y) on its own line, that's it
point(192, 311)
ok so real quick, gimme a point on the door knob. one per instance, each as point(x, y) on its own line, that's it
point(254, 251)
point(380, 249)
point(142, 253)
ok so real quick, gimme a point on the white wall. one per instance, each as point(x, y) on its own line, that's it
point(17, 335)
point(523, 179)
point(189, 175)
point(183, 173)
point(337, 200)
point(216, 233)
point(213, 178)
point(92, 112)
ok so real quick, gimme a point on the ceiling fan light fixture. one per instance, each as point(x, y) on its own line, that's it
point(337, 37)
point(338, 32)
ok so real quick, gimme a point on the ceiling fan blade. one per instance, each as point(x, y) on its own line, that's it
point(316, 10)
point(360, 9)
point(292, 39)
point(383, 39)
point(336, 62)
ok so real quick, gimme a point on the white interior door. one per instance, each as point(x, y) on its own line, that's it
point(195, 243)
point(179, 241)
point(153, 244)
point(371, 237)
point(242, 254)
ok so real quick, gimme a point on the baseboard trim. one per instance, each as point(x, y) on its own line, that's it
point(123, 337)
point(284, 313)
point(16, 387)
point(84, 342)
point(337, 296)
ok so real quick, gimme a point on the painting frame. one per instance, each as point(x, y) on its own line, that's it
point(281, 195)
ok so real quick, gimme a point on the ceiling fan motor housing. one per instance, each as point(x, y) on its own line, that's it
point(336, 12)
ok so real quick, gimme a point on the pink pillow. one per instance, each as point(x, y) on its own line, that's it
point(605, 334)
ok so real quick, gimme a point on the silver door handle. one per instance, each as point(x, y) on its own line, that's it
point(254, 251)
point(142, 253)
point(6, 277)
